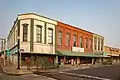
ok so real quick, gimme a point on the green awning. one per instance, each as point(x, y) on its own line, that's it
point(82, 54)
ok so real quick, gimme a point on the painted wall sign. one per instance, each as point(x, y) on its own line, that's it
point(77, 49)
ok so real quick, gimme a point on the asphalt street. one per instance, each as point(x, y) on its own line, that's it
point(109, 72)
point(96, 73)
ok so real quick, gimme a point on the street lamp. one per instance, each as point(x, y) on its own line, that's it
point(18, 46)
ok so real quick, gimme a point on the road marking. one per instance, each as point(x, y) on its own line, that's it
point(87, 76)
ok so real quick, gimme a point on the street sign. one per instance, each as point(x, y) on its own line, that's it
point(8, 52)
point(21, 50)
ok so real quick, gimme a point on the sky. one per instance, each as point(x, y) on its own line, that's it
point(98, 16)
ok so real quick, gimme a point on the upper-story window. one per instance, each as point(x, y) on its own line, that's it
point(67, 39)
point(81, 42)
point(86, 42)
point(98, 43)
point(90, 43)
point(101, 44)
point(60, 38)
point(39, 33)
point(50, 35)
point(74, 40)
point(16, 33)
point(95, 43)
point(25, 32)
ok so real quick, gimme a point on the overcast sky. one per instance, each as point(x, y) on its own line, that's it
point(99, 16)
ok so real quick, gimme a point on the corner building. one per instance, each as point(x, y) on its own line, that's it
point(49, 42)
point(37, 39)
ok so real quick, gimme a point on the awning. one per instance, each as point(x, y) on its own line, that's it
point(82, 54)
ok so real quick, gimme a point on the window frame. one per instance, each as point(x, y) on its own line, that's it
point(60, 38)
point(81, 42)
point(25, 32)
point(74, 40)
point(39, 34)
point(86, 42)
point(95, 43)
point(67, 39)
point(90, 44)
point(102, 42)
point(99, 44)
point(51, 36)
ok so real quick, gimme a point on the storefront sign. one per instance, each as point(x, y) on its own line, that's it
point(115, 54)
point(114, 49)
point(77, 49)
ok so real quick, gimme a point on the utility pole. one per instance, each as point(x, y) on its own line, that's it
point(18, 45)
point(18, 68)
point(4, 50)
point(3, 46)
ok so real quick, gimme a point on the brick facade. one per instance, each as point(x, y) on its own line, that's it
point(65, 28)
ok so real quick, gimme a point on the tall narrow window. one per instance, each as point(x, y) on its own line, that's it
point(101, 44)
point(86, 42)
point(60, 38)
point(95, 43)
point(74, 40)
point(39, 33)
point(25, 32)
point(81, 42)
point(16, 35)
point(50, 35)
point(98, 43)
point(67, 39)
point(90, 43)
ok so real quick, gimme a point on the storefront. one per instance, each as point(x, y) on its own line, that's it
point(76, 58)
point(38, 60)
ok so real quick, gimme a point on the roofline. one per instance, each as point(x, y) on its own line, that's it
point(12, 27)
point(50, 19)
point(56, 21)
point(98, 35)
point(37, 15)
point(111, 47)
point(75, 27)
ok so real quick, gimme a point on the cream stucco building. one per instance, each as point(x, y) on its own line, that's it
point(98, 44)
point(36, 34)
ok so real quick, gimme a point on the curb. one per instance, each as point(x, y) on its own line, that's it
point(16, 74)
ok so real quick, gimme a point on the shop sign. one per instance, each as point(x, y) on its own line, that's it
point(77, 49)
point(115, 54)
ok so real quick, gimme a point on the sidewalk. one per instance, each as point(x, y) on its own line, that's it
point(12, 70)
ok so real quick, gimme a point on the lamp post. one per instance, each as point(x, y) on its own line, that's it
point(18, 46)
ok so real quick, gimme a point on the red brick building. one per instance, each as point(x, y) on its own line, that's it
point(74, 43)
point(83, 38)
